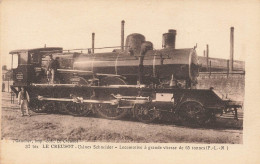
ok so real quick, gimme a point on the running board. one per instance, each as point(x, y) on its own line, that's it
point(129, 99)
point(75, 85)
point(78, 100)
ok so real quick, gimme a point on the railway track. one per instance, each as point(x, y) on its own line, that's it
point(231, 115)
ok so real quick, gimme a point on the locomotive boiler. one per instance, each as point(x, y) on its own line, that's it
point(123, 67)
point(136, 79)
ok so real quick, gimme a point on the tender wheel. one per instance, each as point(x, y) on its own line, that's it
point(77, 109)
point(193, 112)
point(111, 111)
point(37, 106)
point(146, 113)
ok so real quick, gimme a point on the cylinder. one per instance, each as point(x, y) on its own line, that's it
point(231, 60)
point(122, 34)
point(93, 42)
point(168, 39)
point(133, 43)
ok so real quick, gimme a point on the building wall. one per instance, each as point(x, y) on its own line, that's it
point(7, 86)
point(233, 86)
point(220, 64)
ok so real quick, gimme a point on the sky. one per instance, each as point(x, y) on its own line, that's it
point(69, 24)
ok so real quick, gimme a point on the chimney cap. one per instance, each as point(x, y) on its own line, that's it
point(123, 21)
point(172, 31)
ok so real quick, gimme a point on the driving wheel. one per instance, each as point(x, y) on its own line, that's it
point(111, 111)
point(77, 109)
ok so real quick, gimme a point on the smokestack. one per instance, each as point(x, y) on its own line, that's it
point(169, 38)
point(93, 42)
point(207, 57)
point(231, 60)
point(122, 34)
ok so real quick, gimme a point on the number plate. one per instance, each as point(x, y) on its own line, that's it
point(19, 76)
point(168, 97)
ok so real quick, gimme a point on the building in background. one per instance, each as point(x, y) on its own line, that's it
point(7, 78)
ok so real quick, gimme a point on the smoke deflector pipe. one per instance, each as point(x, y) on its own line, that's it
point(122, 35)
point(231, 60)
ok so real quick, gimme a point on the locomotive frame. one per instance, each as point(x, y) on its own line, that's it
point(116, 84)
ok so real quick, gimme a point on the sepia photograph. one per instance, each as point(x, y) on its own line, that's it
point(125, 73)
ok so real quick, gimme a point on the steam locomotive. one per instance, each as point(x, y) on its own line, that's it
point(136, 80)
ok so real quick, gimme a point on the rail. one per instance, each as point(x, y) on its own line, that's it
point(82, 49)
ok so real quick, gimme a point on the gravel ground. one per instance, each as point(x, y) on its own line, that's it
point(57, 126)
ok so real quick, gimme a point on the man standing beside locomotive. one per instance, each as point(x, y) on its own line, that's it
point(23, 100)
point(52, 69)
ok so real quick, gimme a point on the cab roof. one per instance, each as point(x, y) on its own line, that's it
point(43, 50)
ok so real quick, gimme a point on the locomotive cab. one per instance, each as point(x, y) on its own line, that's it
point(29, 65)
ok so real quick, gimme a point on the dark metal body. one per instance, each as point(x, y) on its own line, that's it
point(106, 83)
point(160, 64)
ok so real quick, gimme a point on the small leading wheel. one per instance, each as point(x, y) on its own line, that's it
point(110, 111)
point(193, 112)
point(146, 113)
point(77, 109)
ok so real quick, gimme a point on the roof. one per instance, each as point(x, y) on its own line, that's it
point(219, 63)
point(47, 49)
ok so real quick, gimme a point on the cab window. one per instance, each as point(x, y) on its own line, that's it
point(15, 60)
point(35, 58)
point(23, 58)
